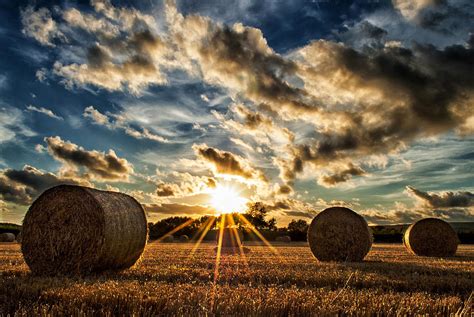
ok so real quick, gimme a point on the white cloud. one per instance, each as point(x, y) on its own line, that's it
point(12, 124)
point(44, 111)
point(40, 25)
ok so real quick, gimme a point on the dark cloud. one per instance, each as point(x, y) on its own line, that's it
point(416, 92)
point(228, 163)
point(444, 199)
point(98, 164)
point(178, 209)
point(22, 186)
point(342, 175)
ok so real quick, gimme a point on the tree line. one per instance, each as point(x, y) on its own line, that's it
point(255, 215)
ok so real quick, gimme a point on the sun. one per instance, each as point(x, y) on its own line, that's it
point(226, 200)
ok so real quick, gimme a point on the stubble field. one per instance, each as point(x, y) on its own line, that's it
point(171, 281)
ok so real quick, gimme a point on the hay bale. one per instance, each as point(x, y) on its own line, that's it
point(78, 230)
point(285, 239)
point(339, 234)
point(431, 237)
point(168, 239)
point(19, 237)
point(7, 237)
point(183, 238)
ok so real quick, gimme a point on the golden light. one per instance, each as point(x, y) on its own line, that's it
point(226, 200)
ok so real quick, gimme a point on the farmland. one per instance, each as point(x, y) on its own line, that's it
point(284, 281)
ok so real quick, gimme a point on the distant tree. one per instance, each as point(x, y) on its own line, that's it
point(166, 225)
point(256, 214)
point(297, 229)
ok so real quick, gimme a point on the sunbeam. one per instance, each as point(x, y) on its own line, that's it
point(181, 226)
point(261, 237)
point(206, 227)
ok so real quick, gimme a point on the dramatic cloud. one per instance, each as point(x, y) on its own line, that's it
point(98, 164)
point(342, 175)
point(113, 122)
point(228, 163)
point(321, 109)
point(444, 199)
point(44, 111)
point(39, 25)
point(22, 186)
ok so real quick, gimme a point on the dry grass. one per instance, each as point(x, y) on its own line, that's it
point(169, 282)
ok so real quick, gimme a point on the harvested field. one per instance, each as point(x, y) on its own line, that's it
point(168, 281)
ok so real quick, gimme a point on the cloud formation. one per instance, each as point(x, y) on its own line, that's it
point(97, 164)
point(23, 186)
point(44, 111)
point(444, 199)
point(39, 25)
point(227, 163)
point(113, 122)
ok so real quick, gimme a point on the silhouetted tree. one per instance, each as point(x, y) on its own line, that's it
point(297, 229)
point(256, 214)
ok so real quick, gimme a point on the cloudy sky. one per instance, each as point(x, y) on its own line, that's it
point(298, 104)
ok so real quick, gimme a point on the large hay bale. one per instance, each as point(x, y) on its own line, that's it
point(19, 237)
point(285, 239)
point(339, 234)
point(431, 237)
point(75, 229)
point(7, 237)
point(183, 238)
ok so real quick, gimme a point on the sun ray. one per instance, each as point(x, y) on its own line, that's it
point(181, 226)
point(261, 237)
point(237, 239)
point(206, 227)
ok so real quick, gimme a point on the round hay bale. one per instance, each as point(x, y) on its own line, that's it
point(339, 234)
point(168, 239)
point(229, 238)
point(183, 238)
point(285, 239)
point(19, 237)
point(431, 237)
point(7, 237)
point(78, 230)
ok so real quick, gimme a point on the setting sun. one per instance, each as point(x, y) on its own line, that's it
point(226, 200)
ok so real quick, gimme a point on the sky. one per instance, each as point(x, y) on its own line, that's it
point(300, 105)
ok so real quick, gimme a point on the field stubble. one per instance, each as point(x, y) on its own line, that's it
point(168, 281)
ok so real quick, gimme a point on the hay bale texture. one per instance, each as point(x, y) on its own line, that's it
point(7, 237)
point(339, 234)
point(283, 239)
point(78, 230)
point(431, 237)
